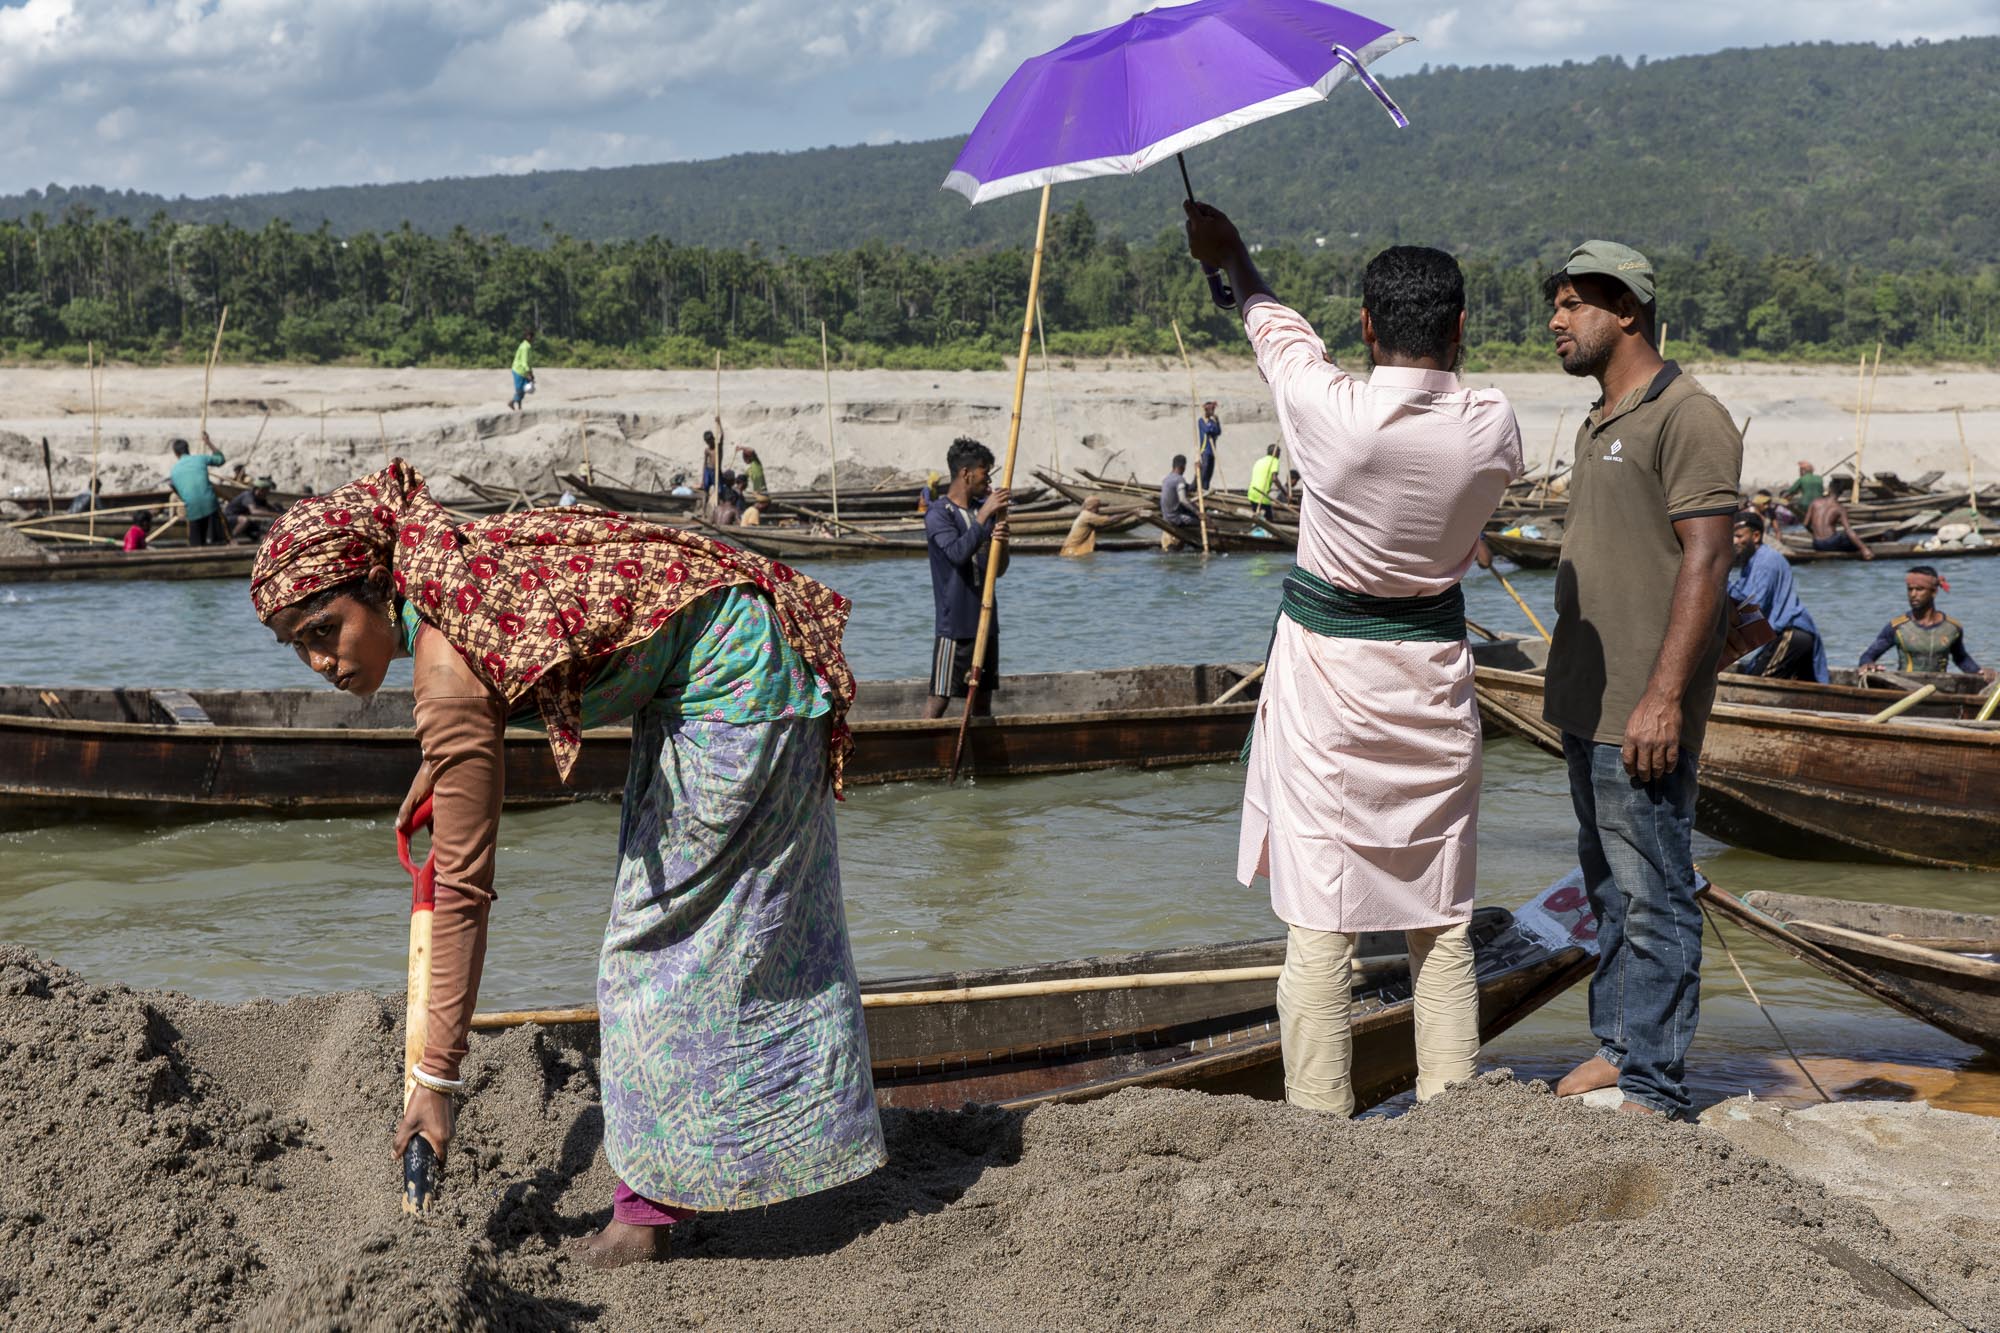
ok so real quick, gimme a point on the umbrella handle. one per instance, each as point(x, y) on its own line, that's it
point(1218, 288)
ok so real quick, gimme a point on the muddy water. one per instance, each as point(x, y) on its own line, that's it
point(997, 871)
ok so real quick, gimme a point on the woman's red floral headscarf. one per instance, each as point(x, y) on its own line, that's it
point(532, 600)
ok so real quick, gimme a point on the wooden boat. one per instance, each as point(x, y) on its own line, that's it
point(1821, 786)
point(1086, 1028)
point(791, 544)
point(1935, 965)
point(1905, 550)
point(108, 564)
point(75, 752)
point(1957, 695)
point(1527, 552)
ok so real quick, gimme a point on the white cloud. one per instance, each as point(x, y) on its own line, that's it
point(199, 96)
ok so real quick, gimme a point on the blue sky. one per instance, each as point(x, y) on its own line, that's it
point(227, 96)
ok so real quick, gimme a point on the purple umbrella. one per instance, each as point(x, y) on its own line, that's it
point(1126, 97)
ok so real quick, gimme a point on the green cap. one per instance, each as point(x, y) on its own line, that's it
point(1613, 261)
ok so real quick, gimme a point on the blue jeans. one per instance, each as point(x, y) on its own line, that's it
point(1208, 467)
point(1635, 843)
point(520, 387)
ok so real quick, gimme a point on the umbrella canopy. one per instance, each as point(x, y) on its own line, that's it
point(1118, 100)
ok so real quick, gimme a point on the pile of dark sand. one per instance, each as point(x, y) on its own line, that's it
point(17, 545)
point(171, 1164)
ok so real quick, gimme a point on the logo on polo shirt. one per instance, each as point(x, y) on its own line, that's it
point(1612, 457)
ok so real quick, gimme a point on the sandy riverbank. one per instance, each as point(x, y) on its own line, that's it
point(174, 1164)
point(645, 426)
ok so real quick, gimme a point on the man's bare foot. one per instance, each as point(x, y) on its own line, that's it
point(1594, 1073)
point(1636, 1108)
point(622, 1243)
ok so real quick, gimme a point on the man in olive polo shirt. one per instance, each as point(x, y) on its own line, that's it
point(1639, 632)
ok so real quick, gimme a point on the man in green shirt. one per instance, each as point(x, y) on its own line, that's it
point(1264, 481)
point(1640, 604)
point(1809, 487)
point(189, 479)
point(524, 369)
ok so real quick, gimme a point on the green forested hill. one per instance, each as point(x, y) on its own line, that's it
point(1888, 157)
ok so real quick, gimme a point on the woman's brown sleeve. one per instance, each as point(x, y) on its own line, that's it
point(461, 724)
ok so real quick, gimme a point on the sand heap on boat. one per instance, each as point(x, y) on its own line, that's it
point(173, 1164)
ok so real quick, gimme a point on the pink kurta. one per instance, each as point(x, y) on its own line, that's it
point(1362, 801)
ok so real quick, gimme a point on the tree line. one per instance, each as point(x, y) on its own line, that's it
point(152, 292)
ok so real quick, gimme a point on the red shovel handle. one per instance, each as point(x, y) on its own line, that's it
point(423, 882)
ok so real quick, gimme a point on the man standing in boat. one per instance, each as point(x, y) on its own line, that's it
point(960, 529)
point(1208, 436)
point(1362, 799)
point(1764, 576)
point(1926, 639)
point(1640, 619)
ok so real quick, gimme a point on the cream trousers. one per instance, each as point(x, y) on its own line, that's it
point(1315, 1004)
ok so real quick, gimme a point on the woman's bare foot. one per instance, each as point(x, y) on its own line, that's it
point(1594, 1073)
point(622, 1243)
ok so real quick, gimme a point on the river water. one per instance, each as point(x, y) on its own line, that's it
point(993, 871)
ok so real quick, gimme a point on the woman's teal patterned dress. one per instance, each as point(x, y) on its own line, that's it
point(734, 1059)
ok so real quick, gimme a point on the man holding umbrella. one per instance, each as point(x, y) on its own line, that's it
point(1362, 800)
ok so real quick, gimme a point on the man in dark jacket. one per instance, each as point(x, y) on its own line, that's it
point(961, 529)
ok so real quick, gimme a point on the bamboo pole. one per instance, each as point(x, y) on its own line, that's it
point(1549, 469)
point(1905, 704)
point(208, 375)
point(1240, 686)
point(1743, 431)
point(1017, 990)
point(997, 550)
point(1525, 609)
point(1860, 393)
point(1973, 487)
point(1992, 702)
point(1049, 386)
point(1663, 337)
point(90, 372)
point(1867, 415)
point(1200, 491)
point(382, 429)
point(319, 464)
point(833, 459)
point(715, 471)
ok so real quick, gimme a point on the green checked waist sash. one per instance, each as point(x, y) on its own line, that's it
point(1319, 607)
point(1322, 608)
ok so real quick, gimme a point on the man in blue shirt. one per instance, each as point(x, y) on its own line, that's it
point(1208, 434)
point(1761, 575)
point(961, 529)
point(189, 478)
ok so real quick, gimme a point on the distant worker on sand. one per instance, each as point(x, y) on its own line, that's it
point(524, 370)
point(1926, 639)
point(1264, 485)
point(733, 1053)
point(1826, 519)
point(1090, 520)
point(189, 479)
point(86, 500)
point(1208, 434)
point(1362, 798)
point(1809, 487)
point(1641, 616)
point(1763, 575)
point(1175, 507)
point(960, 538)
point(136, 535)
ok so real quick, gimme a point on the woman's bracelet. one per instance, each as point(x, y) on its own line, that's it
point(436, 1084)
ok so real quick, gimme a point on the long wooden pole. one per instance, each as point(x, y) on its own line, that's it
point(832, 459)
point(1860, 397)
point(1549, 470)
point(382, 429)
point(1049, 390)
point(715, 471)
point(1526, 610)
point(319, 464)
point(1200, 491)
point(90, 372)
point(1867, 415)
point(208, 375)
point(1957, 415)
point(1905, 704)
point(49, 471)
point(997, 549)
